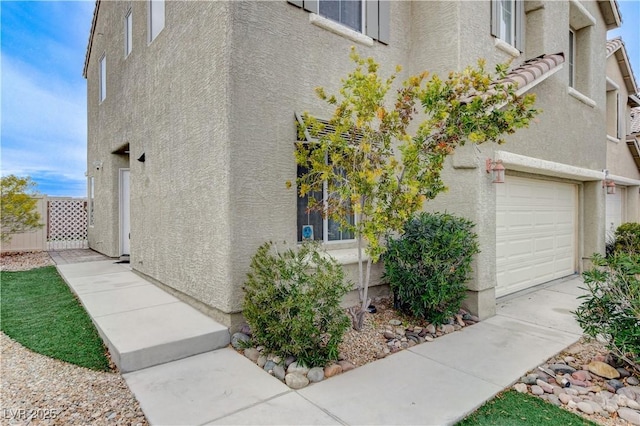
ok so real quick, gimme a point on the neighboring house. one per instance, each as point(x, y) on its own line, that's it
point(623, 162)
point(191, 132)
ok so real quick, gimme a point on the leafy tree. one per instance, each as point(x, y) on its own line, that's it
point(376, 168)
point(18, 206)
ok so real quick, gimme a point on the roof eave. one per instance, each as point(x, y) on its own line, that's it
point(90, 43)
point(610, 13)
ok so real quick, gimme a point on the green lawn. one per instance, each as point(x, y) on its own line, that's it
point(511, 408)
point(39, 311)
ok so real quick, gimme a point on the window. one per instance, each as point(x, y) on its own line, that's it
point(156, 18)
point(128, 30)
point(91, 199)
point(572, 58)
point(103, 77)
point(346, 12)
point(369, 17)
point(507, 22)
point(311, 224)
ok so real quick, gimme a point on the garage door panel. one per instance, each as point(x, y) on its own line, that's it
point(535, 232)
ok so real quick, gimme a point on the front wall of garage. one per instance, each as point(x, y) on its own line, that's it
point(536, 232)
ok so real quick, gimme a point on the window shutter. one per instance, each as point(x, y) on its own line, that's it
point(372, 19)
point(495, 18)
point(520, 24)
point(384, 18)
point(310, 5)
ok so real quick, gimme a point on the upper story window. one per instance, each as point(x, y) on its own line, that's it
point(128, 32)
point(346, 12)
point(103, 77)
point(156, 18)
point(369, 17)
point(507, 22)
point(571, 59)
point(581, 39)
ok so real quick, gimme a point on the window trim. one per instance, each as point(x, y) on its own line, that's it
point(128, 33)
point(363, 15)
point(90, 212)
point(518, 19)
point(102, 78)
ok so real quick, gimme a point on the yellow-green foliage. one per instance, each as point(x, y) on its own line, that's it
point(18, 206)
point(380, 170)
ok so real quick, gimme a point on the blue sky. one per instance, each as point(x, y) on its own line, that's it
point(43, 114)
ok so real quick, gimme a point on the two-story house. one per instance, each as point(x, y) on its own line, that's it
point(623, 162)
point(192, 106)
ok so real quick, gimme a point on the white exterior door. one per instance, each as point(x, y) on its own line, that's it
point(615, 209)
point(535, 233)
point(125, 218)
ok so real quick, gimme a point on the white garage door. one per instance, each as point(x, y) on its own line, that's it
point(535, 232)
point(615, 209)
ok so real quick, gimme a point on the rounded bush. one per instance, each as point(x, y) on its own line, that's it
point(292, 303)
point(627, 238)
point(428, 265)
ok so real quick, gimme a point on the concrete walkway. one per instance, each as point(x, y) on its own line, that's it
point(434, 383)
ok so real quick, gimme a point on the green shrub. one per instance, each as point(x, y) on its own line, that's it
point(292, 303)
point(611, 308)
point(428, 265)
point(628, 238)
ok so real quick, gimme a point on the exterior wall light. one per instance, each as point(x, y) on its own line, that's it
point(608, 183)
point(497, 169)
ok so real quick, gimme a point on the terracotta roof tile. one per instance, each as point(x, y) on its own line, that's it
point(635, 120)
point(528, 74)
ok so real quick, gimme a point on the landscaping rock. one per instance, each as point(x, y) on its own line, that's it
point(316, 374)
point(615, 384)
point(268, 366)
point(585, 407)
point(239, 340)
point(520, 387)
point(562, 369)
point(546, 387)
point(565, 398)
point(633, 381)
point(529, 379)
point(623, 372)
point(278, 372)
point(252, 354)
point(245, 329)
point(537, 390)
point(632, 416)
point(389, 335)
point(431, 329)
point(346, 366)
point(262, 360)
point(332, 370)
point(288, 360)
point(296, 380)
point(603, 369)
point(554, 400)
point(295, 368)
point(582, 375)
point(395, 322)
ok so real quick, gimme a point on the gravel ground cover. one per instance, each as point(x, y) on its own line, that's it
point(36, 389)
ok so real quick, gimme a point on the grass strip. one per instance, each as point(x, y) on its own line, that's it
point(39, 311)
point(511, 408)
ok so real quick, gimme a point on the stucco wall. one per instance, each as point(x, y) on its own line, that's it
point(211, 103)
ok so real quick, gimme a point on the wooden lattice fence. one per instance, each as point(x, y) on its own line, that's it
point(66, 224)
point(65, 227)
